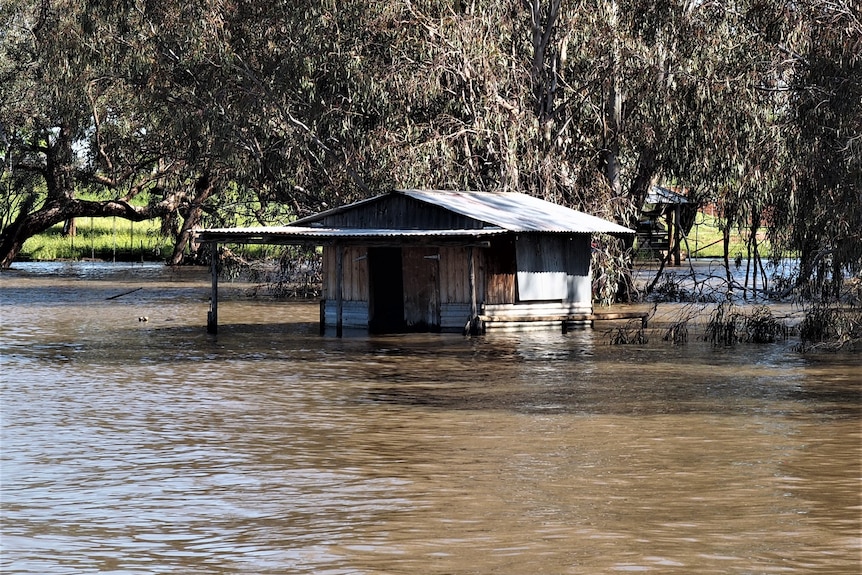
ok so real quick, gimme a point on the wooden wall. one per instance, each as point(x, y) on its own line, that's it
point(454, 279)
point(558, 266)
point(445, 300)
point(436, 281)
point(455, 274)
point(499, 272)
point(421, 282)
point(355, 269)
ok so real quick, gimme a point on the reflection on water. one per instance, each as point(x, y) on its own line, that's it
point(152, 447)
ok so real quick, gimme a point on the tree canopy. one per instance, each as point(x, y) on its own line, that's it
point(219, 112)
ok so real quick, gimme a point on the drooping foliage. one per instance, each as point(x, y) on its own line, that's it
point(818, 204)
point(233, 111)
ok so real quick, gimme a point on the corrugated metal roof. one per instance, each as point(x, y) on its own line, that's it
point(286, 234)
point(500, 212)
point(517, 212)
point(512, 211)
point(660, 195)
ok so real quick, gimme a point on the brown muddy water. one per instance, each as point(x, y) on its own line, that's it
point(151, 447)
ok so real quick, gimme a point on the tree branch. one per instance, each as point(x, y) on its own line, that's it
point(296, 123)
point(97, 124)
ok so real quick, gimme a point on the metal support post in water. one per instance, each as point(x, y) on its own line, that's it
point(212, 315)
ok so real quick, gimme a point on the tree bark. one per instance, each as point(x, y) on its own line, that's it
point(70, 228)
point(544, 81)
point(203, 189)
point(613, 111)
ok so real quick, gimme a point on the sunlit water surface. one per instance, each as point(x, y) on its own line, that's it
point(151, 447)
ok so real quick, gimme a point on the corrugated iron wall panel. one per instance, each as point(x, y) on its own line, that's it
point(553, 268)
point(354, 314)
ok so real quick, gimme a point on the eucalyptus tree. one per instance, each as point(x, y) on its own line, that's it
point(227, 112)
point(122, 100)
point(818, 207)
point(66, 122)
point(196, 105)
point(584, 102)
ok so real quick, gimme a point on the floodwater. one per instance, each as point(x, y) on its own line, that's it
point(151, 447)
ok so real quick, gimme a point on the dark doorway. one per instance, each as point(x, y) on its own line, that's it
point(421, 288)
point(386, 283)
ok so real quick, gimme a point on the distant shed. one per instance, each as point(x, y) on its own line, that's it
point(420, 260)
point(661, 228)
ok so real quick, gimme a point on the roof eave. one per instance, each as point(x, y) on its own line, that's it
point(293, 235)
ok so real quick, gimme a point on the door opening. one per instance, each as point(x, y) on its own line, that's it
point(386, 293)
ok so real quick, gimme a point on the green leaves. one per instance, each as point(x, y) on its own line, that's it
point(287, 106)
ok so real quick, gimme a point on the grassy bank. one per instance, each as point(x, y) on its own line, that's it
point(100, 238)
point(705, 240)
point(115, 239)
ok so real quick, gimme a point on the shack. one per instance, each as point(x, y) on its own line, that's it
point(430, 260)
point(662, 226)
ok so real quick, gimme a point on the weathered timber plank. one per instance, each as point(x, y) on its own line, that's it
point(643, 316)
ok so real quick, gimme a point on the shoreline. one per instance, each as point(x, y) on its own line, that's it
point(674, 321)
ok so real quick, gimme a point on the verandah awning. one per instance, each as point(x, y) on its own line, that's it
point(289, 235)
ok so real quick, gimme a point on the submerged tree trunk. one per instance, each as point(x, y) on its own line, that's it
point(203, 189)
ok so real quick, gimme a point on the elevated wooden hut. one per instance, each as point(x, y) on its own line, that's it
point(417, 260)
point(661, 227)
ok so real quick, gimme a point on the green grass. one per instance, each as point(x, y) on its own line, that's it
point(116, 239)
point(100, 238)
point(705, 240)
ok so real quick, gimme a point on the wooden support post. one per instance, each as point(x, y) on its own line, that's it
point(474, 308)
point(339, 289)
point(212, 316)
point(677, 235)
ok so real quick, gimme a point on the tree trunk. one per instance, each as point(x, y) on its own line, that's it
point(59, 174)
point(641, 183)
point(726, 250)
point(544, 81)
point(24, 227)
point(203, 189)
point(613, 111)
point(70, 228)
point(13, 240)
point(28, 223)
